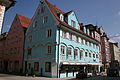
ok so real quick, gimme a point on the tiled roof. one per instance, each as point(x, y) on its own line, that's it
point(56, 11)
point(24, 20)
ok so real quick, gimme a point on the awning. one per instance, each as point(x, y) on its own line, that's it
point(73, 63)
point(100, 64)
point(79, 63)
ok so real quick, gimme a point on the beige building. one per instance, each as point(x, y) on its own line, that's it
point(4, 6)
point(115, 53)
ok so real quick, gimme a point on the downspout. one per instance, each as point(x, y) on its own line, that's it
point(23, 52)
point(58, 51)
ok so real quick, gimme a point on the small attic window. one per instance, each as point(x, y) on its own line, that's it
point(35, 24)
point(38, 11)
point(42, 9)
point(61, 17)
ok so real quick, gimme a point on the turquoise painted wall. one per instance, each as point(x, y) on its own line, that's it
point(40, 40)
point(79, 46)
point(72, 16)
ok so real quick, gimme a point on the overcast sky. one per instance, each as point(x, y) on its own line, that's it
point(105, 13)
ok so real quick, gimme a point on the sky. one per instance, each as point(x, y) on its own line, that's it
point(105, 13)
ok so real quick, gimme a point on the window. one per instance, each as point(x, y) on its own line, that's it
point(42, 9)
point(86, 54)
point(29, 51)
point(17, 39)
point(35, 24)
point(48, 67)
point(62, 49)
point(81, 41)
point(49, 49)
point(77, 39)
point(96, 56)
point(69, 51)
point(89, 54)
point(76, 52)
point(81, 54)
point(49, 33)
point(70, 36)
point(90, 43)
point(30, 38)
point(93, 55)
point(45, 19)
point(73, 24)
point(36, 66)
point(86, 42)
point(74, 38)
point(38, 11)
point(29, 66)
point(61, 17)
point(63, 34)
point(67, 35)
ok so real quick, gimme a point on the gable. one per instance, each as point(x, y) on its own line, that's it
point(72, 20)
point(42, 17)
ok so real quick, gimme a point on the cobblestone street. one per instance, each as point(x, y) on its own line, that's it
point(13, 77)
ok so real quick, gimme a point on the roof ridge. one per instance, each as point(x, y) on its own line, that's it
point(55, 8)
point(22, 16)
point(25, 21)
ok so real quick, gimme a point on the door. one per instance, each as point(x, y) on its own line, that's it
point(25, 66)
point(41, 71)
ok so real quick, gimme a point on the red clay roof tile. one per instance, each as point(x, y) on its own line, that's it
point(24, 20)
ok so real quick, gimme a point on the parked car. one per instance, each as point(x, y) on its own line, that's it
point(81, 75)
point(113, 72)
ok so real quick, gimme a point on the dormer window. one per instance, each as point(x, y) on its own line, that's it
point(61, 17)
point(73, 24)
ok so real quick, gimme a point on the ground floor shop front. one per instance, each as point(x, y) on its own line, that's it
point(72, 70)
point(52, 69)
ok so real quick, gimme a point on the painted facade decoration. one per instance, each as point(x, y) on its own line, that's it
point(57, 45)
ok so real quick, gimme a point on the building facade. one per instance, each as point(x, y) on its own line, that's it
point(13, 57)
point(2, 50)
point(56, 45)
point(105, 50)
point(115, 54)
point(4, 6)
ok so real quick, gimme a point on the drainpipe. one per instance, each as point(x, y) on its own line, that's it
point(58, 51)
point(23, 55)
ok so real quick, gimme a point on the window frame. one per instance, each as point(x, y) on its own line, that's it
point(73, 23)
point(49, 49)
point(86, 54)
point(29, 51)
point(69, 51)
point(36, 66)
point(62, 49)
point(45, 19)
point(48, 67)
point(49, 33)
point(76, 52)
